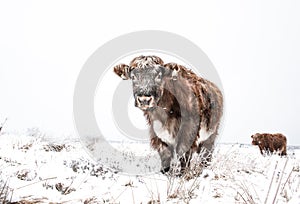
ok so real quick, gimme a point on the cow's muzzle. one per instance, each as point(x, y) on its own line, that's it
point(145, 102)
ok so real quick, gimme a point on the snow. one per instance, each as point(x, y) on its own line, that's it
point(33, 168)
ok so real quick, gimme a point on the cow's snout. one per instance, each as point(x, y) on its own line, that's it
point(145, 102)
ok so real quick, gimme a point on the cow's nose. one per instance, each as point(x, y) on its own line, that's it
point(144, 100)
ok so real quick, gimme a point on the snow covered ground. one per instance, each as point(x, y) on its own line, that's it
point(36, 170)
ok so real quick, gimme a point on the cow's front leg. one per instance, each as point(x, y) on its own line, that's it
point(261, 148)
point(166, 155)
point(165, 152)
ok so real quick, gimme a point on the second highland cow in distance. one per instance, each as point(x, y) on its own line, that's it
point(270, 143)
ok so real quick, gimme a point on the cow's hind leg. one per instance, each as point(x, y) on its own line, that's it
point(282, 151)
point(206, 148)
point(185, 161)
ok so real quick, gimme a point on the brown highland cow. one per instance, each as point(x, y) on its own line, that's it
point(182, 109)
point(269, 143)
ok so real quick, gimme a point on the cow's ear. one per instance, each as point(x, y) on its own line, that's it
point(172, 70)
point(122, 70)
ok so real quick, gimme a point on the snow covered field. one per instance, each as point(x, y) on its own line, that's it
point(36, 170)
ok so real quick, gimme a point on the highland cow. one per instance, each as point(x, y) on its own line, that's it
point(182, 109)
point(269, 143)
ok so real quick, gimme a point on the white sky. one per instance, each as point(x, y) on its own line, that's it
point(254, 45)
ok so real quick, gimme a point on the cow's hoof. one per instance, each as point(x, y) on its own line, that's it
point(165, 170)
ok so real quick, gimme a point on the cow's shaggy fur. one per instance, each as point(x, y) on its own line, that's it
point(269, 143)
point(187, 112)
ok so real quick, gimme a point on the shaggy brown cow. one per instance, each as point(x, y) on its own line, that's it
point(268, 143)
point(182, 109)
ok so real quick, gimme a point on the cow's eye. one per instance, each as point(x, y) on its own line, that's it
point(133, 77)
point(159, 76)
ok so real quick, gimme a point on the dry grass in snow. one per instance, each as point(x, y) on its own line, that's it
point(35, 170)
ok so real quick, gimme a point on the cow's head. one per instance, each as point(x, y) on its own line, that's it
point(148, 75)
point(148, 83)
point(256, 139)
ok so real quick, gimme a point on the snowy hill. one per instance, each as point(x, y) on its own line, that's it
point(34, 170)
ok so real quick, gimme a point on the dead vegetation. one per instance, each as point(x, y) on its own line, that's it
point(232, 174)
point(5, 192)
